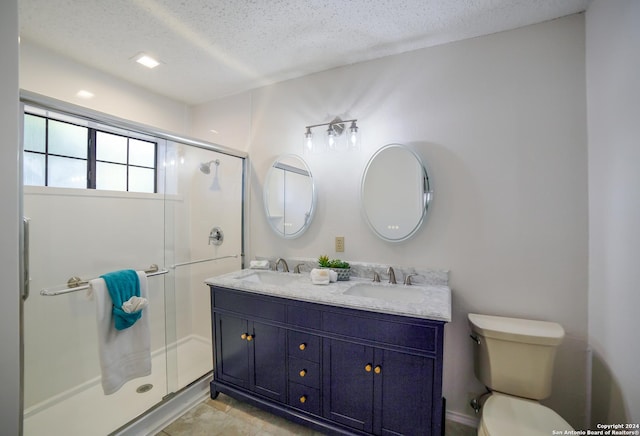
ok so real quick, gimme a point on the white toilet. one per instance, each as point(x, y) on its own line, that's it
point(514, 359)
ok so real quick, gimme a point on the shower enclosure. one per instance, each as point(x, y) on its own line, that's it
point(162, 225)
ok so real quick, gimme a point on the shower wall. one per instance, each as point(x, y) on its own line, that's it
point(86, 233)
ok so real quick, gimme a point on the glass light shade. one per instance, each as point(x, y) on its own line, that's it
point(331, 139)
point(307, 144)
point(353, 137)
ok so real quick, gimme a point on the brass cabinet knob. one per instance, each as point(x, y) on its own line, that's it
point(368, 367)
point(302, 346)
point(249, 337)
point(243, 336)
point(303, 399)
point(303, 373)
point(377, 369)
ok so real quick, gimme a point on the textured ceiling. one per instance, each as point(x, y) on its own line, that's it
point(213, 48)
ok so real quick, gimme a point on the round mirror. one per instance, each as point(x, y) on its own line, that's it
point(289, 196)
point(395, 192)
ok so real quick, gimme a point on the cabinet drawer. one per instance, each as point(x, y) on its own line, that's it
point(304, 398)
point(304, 317)
point(247, 304)
point(403, 334)
point(304, 372)
point(304, 346)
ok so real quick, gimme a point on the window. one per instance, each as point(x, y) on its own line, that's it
point(63, 154)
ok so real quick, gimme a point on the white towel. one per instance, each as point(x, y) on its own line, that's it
point(124, 354)
point(320, 276)
point(259, 264)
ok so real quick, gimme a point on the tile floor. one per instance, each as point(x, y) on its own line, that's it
point(229, 417)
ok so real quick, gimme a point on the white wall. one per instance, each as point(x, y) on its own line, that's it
point(10, 308)
point(51, 74)
point(501, 123)
point(222, 116)
point(613, 98)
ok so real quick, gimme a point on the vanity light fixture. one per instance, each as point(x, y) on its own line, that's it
point(333, 139)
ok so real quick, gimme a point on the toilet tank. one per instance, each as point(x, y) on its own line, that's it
point(515, 356)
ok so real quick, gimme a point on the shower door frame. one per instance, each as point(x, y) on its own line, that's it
point(48, 103)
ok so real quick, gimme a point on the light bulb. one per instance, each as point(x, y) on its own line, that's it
point(308, 141)
point(331, 137)
point(354, 137)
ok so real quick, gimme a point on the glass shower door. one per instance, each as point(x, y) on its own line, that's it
point(78, 231)
point(204, 192)
point(73, 234)
point(84, 232)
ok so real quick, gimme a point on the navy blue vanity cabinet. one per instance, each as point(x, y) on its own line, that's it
point(387, 378)
point(339, 370)
point(304, 371)
point(379, 391)
point(249, 354)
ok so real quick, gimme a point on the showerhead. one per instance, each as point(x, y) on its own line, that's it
point(205, 167)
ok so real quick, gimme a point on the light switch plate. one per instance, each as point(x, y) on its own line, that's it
point(339, 244)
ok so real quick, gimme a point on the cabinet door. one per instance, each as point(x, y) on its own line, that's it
point(348, 384)
point(403, 394)
point(232, 352)
point(269, 361)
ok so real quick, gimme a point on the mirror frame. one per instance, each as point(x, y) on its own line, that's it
point(265, 196)
point(427, 192)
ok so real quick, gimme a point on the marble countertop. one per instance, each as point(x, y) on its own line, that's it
point(430, 300)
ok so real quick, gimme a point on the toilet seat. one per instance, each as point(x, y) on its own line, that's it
point(503, 415)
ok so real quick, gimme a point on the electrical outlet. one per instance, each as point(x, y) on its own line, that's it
point(339, 244)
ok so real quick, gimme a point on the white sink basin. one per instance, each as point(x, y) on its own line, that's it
point(270, 278)
point(399, 293)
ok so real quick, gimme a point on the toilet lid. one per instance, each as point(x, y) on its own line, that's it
point(503, 415)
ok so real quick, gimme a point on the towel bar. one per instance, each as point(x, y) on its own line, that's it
point(191, 262)
point(75, 284)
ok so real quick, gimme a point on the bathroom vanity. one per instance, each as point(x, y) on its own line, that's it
point(342, 364)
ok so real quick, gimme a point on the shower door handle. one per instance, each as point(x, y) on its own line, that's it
point(25, 257)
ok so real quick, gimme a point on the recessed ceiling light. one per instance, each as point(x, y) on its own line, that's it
point(84, 94)
point(147, 61)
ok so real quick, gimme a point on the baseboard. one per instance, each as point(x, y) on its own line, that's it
point(160, 416)
point(461, 418)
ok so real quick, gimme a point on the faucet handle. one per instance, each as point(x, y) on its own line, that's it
point(296, 269)
point(376, 277)
point(407, 279)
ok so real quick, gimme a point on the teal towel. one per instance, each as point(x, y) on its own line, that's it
point(122, 286)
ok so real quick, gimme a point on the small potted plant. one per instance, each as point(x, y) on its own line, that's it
point(342, 268)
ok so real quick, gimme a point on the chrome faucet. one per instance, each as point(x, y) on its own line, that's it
point(285, 267)
point(407, 279)
point(296, 269)
point(392, 275)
